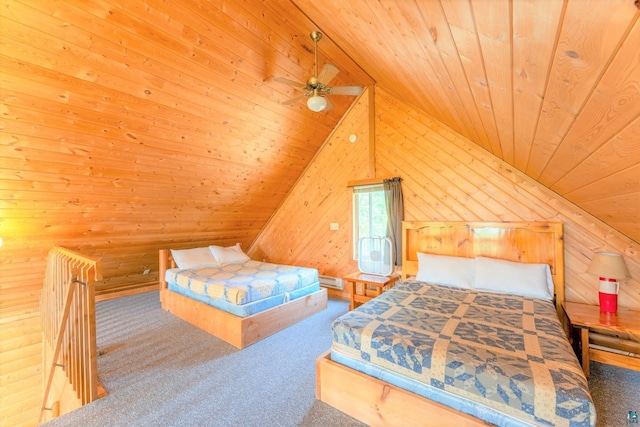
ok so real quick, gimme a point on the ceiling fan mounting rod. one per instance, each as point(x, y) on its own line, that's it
point(315, 36)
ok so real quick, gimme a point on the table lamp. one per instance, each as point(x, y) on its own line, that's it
point(609, 267)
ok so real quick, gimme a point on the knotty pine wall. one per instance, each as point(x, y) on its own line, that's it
point(551, 87)
point(449, 178)
point(299, 233)
point(445, 178)
point(133, 126)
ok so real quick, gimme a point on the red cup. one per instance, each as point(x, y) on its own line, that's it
point(608, 302)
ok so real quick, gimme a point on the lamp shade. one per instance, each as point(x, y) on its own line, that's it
point(608, 265)
point(317, 103)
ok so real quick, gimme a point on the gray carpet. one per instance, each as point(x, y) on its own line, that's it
point(615, 391)
point(161, 371)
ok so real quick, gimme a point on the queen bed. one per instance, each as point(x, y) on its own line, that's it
point(239, 300)
point(471, 336)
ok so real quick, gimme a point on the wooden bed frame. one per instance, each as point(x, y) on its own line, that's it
point(237, 331)
point(378, 403)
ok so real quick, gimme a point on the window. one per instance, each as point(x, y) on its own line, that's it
point(369, 213)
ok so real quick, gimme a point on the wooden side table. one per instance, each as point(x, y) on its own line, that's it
point(365, 287)
point(584, 317)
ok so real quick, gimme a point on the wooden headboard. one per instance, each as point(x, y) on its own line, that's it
point(532, 242)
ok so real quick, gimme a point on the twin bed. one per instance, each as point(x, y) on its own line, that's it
point(234, 298)
point(471, 336)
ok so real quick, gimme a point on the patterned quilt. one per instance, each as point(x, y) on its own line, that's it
point(502, 351)
point(244, 282)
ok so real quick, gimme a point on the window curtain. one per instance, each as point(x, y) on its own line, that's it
point(395, 210)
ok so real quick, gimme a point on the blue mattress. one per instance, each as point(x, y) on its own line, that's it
point(246, 287)
point(504, 359)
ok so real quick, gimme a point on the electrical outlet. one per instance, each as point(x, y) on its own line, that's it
point(147, 271)
point(334, 226)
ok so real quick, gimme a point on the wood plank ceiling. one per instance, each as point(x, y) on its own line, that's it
point(137, 124)
point(113, 108)
point(130, 126)
point(551, 87)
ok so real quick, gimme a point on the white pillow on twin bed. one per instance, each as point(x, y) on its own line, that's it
point(516, 278)
point(190, 258)
point(229, 254)
point(445, 270)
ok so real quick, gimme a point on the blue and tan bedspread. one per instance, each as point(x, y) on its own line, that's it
point(499, 351)
point(246, 287)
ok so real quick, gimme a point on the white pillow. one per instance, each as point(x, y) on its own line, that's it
point(445, 270)
point(190, 258)
point(516, 278)
point(228, 254)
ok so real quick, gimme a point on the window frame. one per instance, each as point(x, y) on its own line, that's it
point(357, 190)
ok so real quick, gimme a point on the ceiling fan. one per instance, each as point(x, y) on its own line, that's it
point(316, 87)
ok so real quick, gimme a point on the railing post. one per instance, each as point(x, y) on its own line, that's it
point(69, 331)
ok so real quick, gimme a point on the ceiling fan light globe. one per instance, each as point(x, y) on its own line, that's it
point(317, 103)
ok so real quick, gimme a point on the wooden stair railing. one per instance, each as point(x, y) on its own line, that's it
point(68, 318)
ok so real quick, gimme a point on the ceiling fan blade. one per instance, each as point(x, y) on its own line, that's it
point(327, 73)
point(345, 90)
point(293, 83)
point(329, 104)
point(294, 99)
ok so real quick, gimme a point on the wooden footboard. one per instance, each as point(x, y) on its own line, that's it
point(377, 403)
point(242, 331)
point(237, 331)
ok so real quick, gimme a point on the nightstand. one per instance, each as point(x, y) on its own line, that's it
point(365, 287)
point(584, 317)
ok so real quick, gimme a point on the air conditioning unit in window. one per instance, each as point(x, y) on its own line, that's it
point(375, 255)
